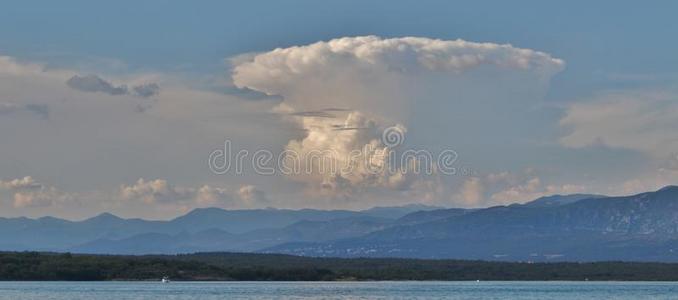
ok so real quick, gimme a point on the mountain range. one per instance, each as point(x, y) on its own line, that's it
point(580, 227)
point(205, 229)
point(641, 227)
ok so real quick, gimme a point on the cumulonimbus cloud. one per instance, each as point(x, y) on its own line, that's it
point(271, 71)
point(372, 74)
point(378, 81)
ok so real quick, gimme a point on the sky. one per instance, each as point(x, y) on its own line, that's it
point(123, 107)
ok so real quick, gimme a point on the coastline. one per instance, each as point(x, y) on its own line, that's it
point(246, 267)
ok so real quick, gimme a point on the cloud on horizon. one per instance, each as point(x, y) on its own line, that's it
point(641, 120)
point(29, 193)
point(160, 192)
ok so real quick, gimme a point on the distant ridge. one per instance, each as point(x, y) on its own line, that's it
point(240, 230)
point(557, 200)
point(578, 227)
point(642, 227)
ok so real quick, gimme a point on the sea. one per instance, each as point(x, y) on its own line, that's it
point(337, 290)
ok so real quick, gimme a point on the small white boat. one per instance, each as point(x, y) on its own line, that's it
point(165, 279)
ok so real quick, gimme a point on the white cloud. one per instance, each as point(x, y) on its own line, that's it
point(471, 194)
point(375, 83)
point(48, 196)
point(526, 191)
point(160, 192)
point(380, 77)
point(252, 196)
point(143, 198)
point(20, 183)
point(340, 155)
point(213, 196)
point(91, 134)
point(29, 193)
point(503, 188)
point(534, 188)
point(639, 120)
point(10, 67)
point(648, 181)
point(273, 71)
point(153, 191)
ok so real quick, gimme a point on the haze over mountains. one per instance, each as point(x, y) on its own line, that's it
point(206, 229)
point(641, 227)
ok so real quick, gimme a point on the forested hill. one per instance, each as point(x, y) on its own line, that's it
point(16, 266)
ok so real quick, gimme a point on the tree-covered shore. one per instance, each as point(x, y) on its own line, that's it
point(34, 266)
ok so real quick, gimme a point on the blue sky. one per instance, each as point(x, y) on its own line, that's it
point(597, 39)
point(599, 36)
point(602, 124)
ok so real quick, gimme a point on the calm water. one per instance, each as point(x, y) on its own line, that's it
point(337, 290)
